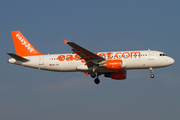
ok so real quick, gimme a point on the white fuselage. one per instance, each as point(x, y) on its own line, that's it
point(71, 62)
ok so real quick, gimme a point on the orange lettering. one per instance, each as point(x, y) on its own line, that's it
point(109, 55)
point(117, 55)
point(76, 57)
point(102, 54)
point(125, 57)
point(135, 54)
point(61, 58)
point(69, 57)
point(83, 61)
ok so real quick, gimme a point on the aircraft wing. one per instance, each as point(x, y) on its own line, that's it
point(87, 55)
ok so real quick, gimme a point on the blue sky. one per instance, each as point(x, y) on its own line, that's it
point(97, 25)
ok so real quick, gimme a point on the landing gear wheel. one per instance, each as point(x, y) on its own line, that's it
point(151, 71)
point(93, 74)
point(97, 81)
point(152, 75)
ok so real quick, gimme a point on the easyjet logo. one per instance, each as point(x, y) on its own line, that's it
point(120, 55)
point(24, 42)
point(109, 55)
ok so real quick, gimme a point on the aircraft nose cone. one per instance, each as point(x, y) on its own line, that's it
point(171, 61)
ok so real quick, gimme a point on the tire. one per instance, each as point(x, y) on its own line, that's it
point(97, 81)
point(152, 75)
point(93, 75)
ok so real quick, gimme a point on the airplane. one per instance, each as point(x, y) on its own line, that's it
point(110, 64)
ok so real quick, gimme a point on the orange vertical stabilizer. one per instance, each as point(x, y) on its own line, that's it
point(22, 45)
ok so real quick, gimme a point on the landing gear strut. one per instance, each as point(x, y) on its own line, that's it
point(151, 71)
point(93, 75)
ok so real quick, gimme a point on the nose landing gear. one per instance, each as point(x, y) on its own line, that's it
point(151, 71)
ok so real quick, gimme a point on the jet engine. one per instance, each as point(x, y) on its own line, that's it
point(119, 75)
point(113, 64)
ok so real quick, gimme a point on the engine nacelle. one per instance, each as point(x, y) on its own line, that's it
point(114, 64)
point(120, 75)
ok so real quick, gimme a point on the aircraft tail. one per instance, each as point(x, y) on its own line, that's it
point(22, 45)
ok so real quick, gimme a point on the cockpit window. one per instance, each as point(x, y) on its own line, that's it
point(162, 54)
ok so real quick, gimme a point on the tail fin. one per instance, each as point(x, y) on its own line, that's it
point(22, 45)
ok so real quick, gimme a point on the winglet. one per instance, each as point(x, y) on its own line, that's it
point(65, 41)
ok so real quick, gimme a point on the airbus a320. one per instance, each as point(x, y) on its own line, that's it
point(110, 64)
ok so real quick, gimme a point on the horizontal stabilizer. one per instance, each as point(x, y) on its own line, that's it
point(18, 58)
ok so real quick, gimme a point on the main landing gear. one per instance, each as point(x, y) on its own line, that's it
point(151, 71)
point(97, 81)
point(93, 75)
